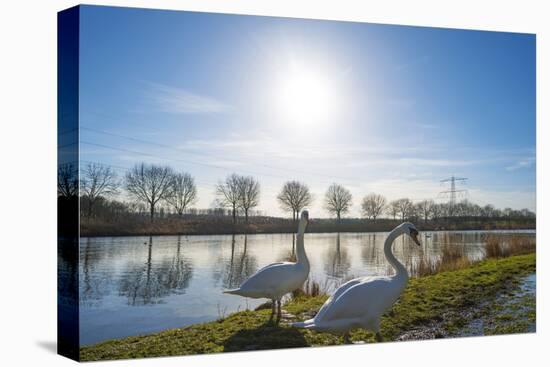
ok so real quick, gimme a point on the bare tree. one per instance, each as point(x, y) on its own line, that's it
point(337, 200)
point(436, 211)
point(404, 207)
point(229, 194)
point(294, 196)
point(425, 209)
point(249, 194)
point(149, 184)
point(97, 181)
point(373, 205)
point(392, 209)
point(67, 180)
point(183, 192)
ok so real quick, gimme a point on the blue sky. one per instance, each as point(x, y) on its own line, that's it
point(376, 108)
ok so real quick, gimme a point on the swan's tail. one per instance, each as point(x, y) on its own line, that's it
point(233, 291)
point(308, 324)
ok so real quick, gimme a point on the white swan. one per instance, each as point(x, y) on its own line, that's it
point(275, 280)
point(360, 302)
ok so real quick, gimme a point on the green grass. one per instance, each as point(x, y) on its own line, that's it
point(437, 299)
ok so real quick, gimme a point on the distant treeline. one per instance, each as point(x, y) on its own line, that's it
point(189, 224)
point(161, 202)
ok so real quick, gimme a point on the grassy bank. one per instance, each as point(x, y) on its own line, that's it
point(442, 302)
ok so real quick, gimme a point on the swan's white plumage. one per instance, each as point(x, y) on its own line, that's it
point(360, 302)
point(275, 280)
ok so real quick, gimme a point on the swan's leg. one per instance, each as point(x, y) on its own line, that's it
point(346, 338)
point(278, 310)
point(376, 329)
point(272, 311)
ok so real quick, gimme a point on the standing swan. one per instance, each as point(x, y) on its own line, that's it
point(360, 302)
point(275, 280)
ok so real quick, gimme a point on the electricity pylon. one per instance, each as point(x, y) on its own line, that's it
point(453, 191)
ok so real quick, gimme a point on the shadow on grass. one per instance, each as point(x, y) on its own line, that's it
point(267, 336)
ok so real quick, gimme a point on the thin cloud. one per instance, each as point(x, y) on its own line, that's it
point(523, 163)
point(182, 101)
point(417, 162)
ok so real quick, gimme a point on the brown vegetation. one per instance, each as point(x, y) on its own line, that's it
point(497, 246)
point(453, 256)
point(310, 289)
point(113, 219)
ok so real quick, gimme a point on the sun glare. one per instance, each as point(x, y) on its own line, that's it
point(306, 97)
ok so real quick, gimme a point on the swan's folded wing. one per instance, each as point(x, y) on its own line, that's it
point(270, 265)
point(269, 276)
point(344, 287)
point(356, 300)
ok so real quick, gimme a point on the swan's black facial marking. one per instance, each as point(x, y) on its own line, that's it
point(414, 235)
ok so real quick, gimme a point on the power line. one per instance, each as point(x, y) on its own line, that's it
point(198, 181)
point(187, 162)
point(129, 169)
point(217, 157)
point(177, 160)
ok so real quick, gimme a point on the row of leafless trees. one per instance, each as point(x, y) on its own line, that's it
point(151, 186)
point(374, 205)
point(146, 184)
point(239, 192)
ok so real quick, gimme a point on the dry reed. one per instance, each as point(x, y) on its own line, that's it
point(310, 288)
point(453, 256)
point(498, 246)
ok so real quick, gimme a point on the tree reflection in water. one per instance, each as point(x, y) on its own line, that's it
point(93, 286)
point(337, 261)
point(288, 255)
point(67, 284)
point(239, 267)
point(148, 284)
point(370, 252)
point(175, 275)
point(373, 256)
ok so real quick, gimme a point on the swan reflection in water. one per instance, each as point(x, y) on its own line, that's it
point(150, 282)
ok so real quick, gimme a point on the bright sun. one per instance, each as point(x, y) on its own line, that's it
point(306, 98)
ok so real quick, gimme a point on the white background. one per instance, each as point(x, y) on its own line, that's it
point(28, 181)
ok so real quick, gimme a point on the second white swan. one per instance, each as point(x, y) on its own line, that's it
point(360, 302)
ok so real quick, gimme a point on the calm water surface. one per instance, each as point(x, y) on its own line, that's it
point(139, 285)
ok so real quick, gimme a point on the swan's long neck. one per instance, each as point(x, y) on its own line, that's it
point(301, 256)
point(400, 270)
